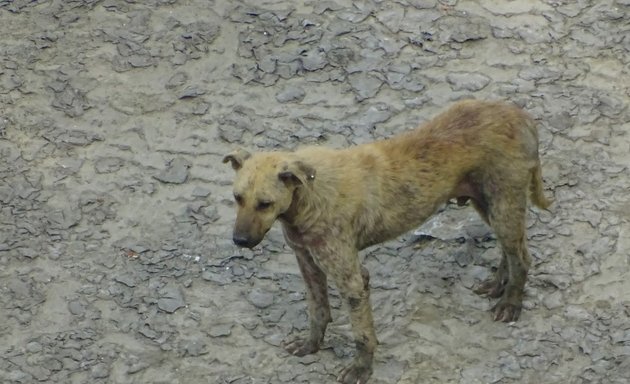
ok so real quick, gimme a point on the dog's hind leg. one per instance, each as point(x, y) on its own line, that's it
point(318, 307)
point(495, 286)
point(477, 192)
point(507, 212)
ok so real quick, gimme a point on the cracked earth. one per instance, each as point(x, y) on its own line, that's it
point(116, 261)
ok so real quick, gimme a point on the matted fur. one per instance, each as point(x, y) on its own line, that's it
point(334, 203)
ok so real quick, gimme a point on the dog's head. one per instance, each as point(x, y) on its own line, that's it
point(263, 190)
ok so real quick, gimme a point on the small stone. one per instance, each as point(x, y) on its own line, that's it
point(99, 371)
point(391, 17)
point(575, 312)
point(309, 359)
point(510, 367)
point(176, 172)
point(69, 166)
point(127, 280)
point(463, 257)
point(171, 299)
point(423, 4)
point(201, 192)
point(220, 330)
point(554, 300)
point(137, 367)
point(364, 85)
point(148, 332)
point(40, 373)
point(52, 364)
point(571, 9)
point(108, 164)
point(217, 278)
point(273, 316)
point(76, 308)
point(34, 347)
point(177, 80)
point(468, 81)
point(140, 61)
point(195, 348)
point(190, 92)
point(540, 73)
point(367, 118)
point(461, 29)
point(313, 60)
point(234, 124)
point(534, 35)
point(18, 376)
point(260, 299)
point(290, 94)
point(200, 108)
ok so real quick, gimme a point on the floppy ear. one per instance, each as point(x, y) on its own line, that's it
point(297, 172)
point(237, 158)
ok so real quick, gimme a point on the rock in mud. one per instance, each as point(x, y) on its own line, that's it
point(467, 81)
point(176, 171)
point(171, 299)
point(259, 298)
point(290, 94)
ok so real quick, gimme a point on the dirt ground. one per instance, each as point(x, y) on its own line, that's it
point(116, 264)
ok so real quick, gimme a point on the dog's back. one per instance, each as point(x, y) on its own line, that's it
point(387, 187)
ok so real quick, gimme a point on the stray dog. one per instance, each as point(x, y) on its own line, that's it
point(334, 203)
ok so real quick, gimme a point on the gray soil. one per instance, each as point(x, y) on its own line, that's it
point(116, 264)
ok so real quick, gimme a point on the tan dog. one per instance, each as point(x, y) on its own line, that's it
point(334, 203)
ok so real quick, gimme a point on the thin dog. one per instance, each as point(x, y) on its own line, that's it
point(334, 203)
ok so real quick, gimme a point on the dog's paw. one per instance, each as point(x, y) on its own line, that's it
point(492, 288)
point(300, 347)
point(355, 374)
point(506, 311)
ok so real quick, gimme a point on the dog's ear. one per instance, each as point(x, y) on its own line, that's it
point(297, 172)
point(237, 158)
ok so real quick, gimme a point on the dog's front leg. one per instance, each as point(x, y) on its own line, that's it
point(352, 281)
point(318, 307)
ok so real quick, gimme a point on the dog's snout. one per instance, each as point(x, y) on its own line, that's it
point(245, 241)
point(240, 240)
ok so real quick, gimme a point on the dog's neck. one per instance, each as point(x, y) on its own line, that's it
point(305, 209)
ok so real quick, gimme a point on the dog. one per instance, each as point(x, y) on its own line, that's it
point(334, 203)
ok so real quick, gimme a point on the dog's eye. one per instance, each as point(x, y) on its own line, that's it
point(262, 205)
point(238, 198)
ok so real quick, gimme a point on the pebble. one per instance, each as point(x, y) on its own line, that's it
point(365, 85)
point(171, 299)
point(108, 164)
point(553, 300)
point(34, 347)
point(221, 330)
point(290, 94)
point(76, 308)
point(195, 348)
point(466, 81)
point(176, 171)
point(99, 371)
point(510, 367)
point(260, 298)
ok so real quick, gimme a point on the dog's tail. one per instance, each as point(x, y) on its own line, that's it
point(537, 194)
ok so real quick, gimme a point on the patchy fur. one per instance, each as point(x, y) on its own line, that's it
point(334, 203)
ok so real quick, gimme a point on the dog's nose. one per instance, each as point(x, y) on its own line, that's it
point(241, 241)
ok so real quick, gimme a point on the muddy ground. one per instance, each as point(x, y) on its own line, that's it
point(116, 264)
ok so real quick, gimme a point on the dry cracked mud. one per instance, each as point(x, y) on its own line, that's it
point(116, 264)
